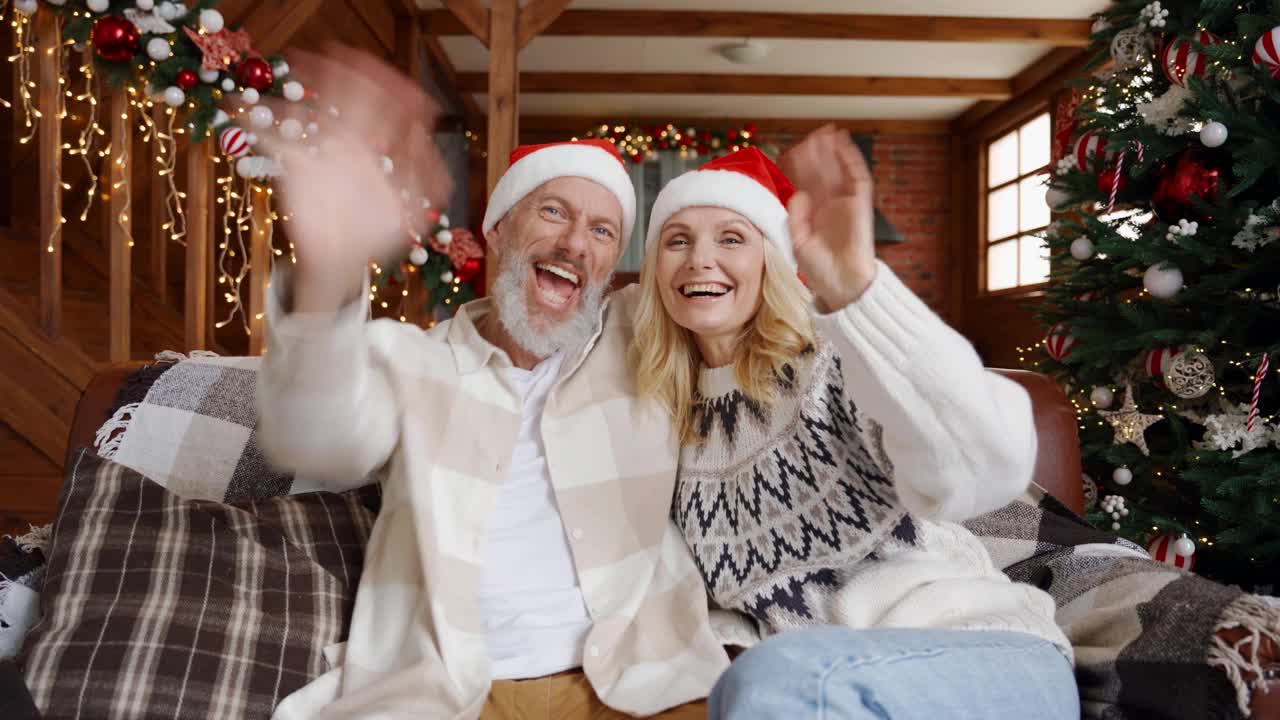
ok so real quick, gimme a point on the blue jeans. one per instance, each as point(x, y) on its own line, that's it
point(835, 673)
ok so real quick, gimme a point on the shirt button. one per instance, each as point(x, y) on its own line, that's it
point(595, 651)
point(577, 533)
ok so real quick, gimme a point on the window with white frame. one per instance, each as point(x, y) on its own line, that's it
point(1017, 216)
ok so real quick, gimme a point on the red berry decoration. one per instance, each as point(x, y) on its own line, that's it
point(750, 127)
point(115, 39)
point(732, 135)
point(255, 73)
point(187, 79)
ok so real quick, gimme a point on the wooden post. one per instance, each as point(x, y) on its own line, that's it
point(196, 288)
point(121, 235)
point(49, 62)
point(259, 266)
point(504, 95)
point(159, 235)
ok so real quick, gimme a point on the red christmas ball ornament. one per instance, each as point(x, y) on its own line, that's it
point(1182, 59)
point(1164, 548)
point(187, 79)
point(1089, 296)
point(1091, 151)
point(470, 268)
point(732, 135)
point(1193, 175)
point(115, 39)
point(1108, 178)
point(1059, 342)
point(255, 73)
point(1266, 53)
point(1157, 361)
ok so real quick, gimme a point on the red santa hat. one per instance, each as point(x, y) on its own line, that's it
point(746, 182)
point(533, 165)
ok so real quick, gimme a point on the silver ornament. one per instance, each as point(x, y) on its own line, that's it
point(1122, 476)
point(1190, 375)
point(1130, 47)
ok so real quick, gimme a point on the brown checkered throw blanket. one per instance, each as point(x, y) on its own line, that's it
point(1143, 632)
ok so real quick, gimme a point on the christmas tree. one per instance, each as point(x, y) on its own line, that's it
point(1163, 313)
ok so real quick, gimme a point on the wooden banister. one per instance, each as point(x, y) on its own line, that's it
point(260, 229)
point(196, 304)
point(49, 70)
point(159, 239)
point(120, 236)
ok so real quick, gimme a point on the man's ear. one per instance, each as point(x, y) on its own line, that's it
point(493, 238)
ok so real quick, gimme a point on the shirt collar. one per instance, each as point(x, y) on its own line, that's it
point(472, 352)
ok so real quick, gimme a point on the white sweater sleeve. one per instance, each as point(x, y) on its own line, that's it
point(962, 440)
point(326, 406)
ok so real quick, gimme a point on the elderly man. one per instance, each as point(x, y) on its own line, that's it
point(523, 563)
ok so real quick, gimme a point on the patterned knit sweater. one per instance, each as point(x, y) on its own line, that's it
point(836, 503)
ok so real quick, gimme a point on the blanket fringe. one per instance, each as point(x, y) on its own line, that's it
point(37, 538)
point(175, 356)
point(107, 440)
point(1258, 619)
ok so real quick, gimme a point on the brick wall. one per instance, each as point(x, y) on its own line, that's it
point(913, 193)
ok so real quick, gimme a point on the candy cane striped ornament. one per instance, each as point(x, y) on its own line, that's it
point(1161, 549)
point(1158, 360)
point(1091, 150)
point(234, 142)
point(1257, 391)
point(1059, 342)
point(1266, 53)
point(1180, 59)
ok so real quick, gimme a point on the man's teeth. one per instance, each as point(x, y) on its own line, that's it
point(704, 289)
point(557, 270)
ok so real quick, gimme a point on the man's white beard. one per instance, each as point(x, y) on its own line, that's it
point(509, 293)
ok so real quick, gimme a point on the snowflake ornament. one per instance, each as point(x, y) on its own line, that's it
point(1255, 233)
point(1165, 113)
point(149, 23)
point(1228, 430)
point(1153, 15)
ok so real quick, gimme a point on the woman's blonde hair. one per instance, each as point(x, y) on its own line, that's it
point(666, 361)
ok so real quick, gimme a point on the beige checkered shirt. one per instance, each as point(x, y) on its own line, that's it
point(340, 398)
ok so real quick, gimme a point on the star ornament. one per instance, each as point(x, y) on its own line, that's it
point(1129, 425)
point(221, 49)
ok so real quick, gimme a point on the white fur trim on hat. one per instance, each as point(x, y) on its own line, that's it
point(557, 161)
point(724, 189)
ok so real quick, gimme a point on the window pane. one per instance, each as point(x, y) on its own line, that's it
point(1033, 261)
point(1002, 213)
point(1002, 160)
point(1033, 141)
point(1035, 211)
point(1002, 265)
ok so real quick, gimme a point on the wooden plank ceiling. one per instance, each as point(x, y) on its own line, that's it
point(917, 65)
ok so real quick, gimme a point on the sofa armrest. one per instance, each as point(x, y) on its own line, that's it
point(1057, 467)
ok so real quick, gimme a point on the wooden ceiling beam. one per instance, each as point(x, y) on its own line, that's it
point(566, 126)
point(810, 26)
point(471, 17)
point(705, 84)
point(447, 80)
point(272, 27)
point(1054, 69)
point(536, 17)
point(381, 21)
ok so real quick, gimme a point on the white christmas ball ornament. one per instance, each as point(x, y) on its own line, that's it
point(294, 91)
point(280, 69)
point(250, 96)
point(146, 5)
point(1081, 248)
point(312, 128)
point(26, 7)
point(418, 255)
point(1122, 476)
point(220, 118)
point(1162, 281)
point(1102, 397)
point(59, 3)
point(228, 85)
point(444, 237)
point(1056, 197)
point(159, 49)
point(261, 117)
point(251, 138)
point(208, 76)
point(98, 6)
point(1213, 134)
point(446, 277)
point(174, 96)
point(247, 166)
point(211, 20)
point(167, 10)
point(290, 129)
point(1184, 547)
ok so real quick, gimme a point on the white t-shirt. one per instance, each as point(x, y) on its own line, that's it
point(533, 609)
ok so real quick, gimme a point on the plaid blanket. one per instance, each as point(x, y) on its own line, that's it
point(195, 432)
point(1144, 632)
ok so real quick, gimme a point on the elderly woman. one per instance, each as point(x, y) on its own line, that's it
point(829, 449)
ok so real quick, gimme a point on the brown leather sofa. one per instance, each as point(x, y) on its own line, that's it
point(1057, 467)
